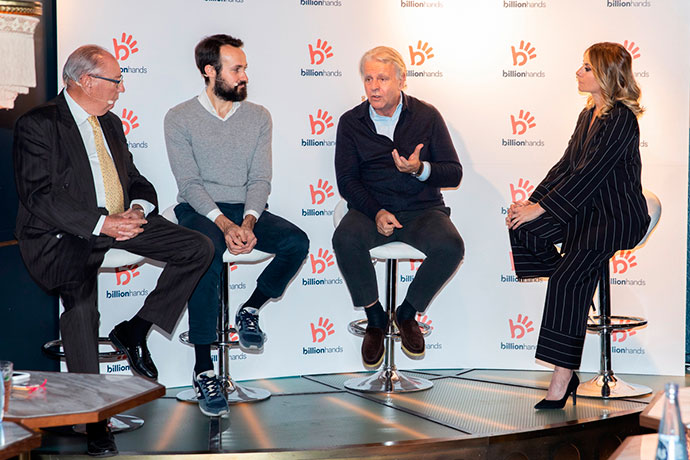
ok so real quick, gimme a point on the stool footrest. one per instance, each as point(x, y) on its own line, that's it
point(358, 327)
point(184, 338)
point(631, 322)
point(54, 350)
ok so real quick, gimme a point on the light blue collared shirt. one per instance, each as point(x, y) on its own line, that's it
point(386, 127)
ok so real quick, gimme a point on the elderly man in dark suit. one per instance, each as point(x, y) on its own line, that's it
point(80, 195)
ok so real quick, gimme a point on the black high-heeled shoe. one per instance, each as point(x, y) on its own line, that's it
point(560, 403)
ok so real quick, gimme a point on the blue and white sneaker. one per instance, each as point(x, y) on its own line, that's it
point(251, 337)
point(212, 401)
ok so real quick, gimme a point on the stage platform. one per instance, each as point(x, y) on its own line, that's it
point(468, 414)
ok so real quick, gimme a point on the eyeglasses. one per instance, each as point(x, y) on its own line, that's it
point(112, 80)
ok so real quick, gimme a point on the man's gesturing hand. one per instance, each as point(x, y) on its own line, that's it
point(408, 165)
point(386, 223)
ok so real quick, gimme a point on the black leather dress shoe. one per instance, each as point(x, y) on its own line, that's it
point(137, 354)
point(101, 444)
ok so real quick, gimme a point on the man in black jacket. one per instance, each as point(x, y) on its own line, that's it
point(80, 195)
point(393, 154)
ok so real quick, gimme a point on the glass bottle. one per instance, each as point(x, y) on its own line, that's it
point(672, 445)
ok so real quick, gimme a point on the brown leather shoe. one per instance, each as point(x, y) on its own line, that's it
point(411, 338)
point(372, 347)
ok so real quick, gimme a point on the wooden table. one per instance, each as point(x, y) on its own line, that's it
point(651, 416)
point(71, 398)
point(16, 440)
point(641, 447)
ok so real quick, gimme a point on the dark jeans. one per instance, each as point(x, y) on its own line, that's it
point(429, 230)
point(274, 235)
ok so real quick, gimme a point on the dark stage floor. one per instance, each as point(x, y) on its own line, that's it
point(470, 413)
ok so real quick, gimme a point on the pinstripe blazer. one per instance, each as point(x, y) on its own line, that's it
point(594, 190)
point(57, 199)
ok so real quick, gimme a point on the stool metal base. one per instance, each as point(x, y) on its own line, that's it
point(238, 394)
point(120, 423)
point(611, 387)
point(388, 381)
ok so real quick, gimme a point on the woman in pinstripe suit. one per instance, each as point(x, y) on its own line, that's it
point(590, 201)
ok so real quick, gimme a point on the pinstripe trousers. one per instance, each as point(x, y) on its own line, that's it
point(573, 278)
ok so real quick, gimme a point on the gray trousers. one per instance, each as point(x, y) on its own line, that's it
point(429, 230)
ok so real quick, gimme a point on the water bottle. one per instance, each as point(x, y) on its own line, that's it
point(672, 444)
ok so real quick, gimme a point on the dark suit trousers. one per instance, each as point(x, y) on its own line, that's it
point(429, 230)
point(573, 279)
point(186, 253)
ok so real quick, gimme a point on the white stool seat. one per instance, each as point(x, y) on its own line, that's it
point(254, 256)
point(654, 209)
point(396, 250)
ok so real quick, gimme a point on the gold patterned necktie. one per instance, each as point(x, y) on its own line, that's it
point(114, 199)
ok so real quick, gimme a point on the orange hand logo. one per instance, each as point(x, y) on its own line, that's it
point(524, 121)
point(127, 45)
point(622, 261)
point(415, 263)
point(425, 320)
point(319, 124)
point(630, 46)
point(123, 275)
point(321, 261)
point(522, 191)
point(620, 336)
point(423, 52)
point(523, 54)
point(233, 267)
point(320, 53)
point(129, 121)
point(521, 327)
point(323, 330)
point(322, 191)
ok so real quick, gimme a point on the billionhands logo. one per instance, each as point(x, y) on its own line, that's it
point(323, 190)
point(320, 53)
point(323, 329)
point(127, 46)
point(522, 191)
point(319, 124)
point(322, 261)
point(621, 335)
point(632, 49)
point(524, 53)
point(123, 50)
point(623, 261)
point(423, 52)
point(522, 123)
point(520, 327)
point(419, 56)
point(125, 274)
point(129, 121)
point(415, 263)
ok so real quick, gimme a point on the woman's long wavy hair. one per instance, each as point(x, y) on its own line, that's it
point(612, 67)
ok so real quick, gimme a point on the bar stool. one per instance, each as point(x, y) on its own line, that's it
point(605, 384)
point(234, 392)
point(114, 258)
point(388, 379)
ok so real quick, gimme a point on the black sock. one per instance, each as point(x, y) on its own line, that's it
point(405, 311)
point(203, 363)
point(138, 328)
point(256, 300)
point(97, 428)
point(376, 316)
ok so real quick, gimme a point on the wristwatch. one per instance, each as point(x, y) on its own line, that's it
point(419, 171)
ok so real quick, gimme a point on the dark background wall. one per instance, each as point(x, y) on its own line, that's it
point(28, 316)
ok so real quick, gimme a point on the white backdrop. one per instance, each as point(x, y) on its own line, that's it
point(502, 75)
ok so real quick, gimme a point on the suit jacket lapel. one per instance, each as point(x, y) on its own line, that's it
point(70, 140)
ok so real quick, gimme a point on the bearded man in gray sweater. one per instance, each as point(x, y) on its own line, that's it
point(219, 146)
